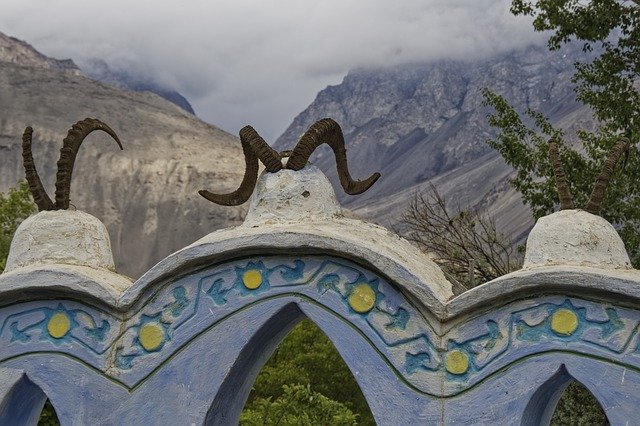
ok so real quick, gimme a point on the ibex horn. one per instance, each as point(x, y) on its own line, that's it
point(254, 148)
point(70, 146)
point(562, 186)
point(597, 195)
point(40, 196)
point(329, 132)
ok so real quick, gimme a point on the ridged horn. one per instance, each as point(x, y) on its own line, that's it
point(269, 156)
point(329, 132)
point(70, 146)
point(562, 186)
point(597, 195)
point(254, 148)
point(40, 196)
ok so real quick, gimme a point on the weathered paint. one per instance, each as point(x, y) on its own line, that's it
point(208, 320)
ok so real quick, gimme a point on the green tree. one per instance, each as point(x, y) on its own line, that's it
point(304, 366)
point(48, 416)
point(608, 83)
point(577, 406)
point(297, 405)
point(15, 206)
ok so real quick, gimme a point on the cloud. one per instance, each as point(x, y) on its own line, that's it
point(261, 61)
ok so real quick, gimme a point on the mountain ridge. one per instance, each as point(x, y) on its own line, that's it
point(19, 52)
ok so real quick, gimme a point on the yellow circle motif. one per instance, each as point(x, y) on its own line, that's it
point(457, 362)
point(252, 279)
point(151, 336)
point(362, 299)
point(564, 322)
point(59, 325)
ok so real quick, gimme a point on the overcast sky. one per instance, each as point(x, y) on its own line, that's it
point(261, 62)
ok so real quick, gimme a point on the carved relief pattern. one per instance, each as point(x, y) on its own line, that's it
point(182, 309)
point(59, 323)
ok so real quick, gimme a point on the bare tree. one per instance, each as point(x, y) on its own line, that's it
point(465, 243)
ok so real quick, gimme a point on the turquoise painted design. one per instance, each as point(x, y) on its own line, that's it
point(177, 312)
point(59, 324)
point(551, 323)
point(609, 332)
point(152, 331)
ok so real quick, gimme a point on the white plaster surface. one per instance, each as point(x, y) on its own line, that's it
point(99, 284)
point(352, 239)
point(61, 237)
point(575, 237)
point(292, 196)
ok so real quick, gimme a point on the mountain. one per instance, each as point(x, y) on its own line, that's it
point(424, 123)
point(19, 52)
point(147, 194)
point(99, 70)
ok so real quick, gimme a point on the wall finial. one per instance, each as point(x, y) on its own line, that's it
point(255, 148)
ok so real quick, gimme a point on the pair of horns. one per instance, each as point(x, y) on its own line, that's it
point(70, 146)
point(255, 148)
point(594, 203)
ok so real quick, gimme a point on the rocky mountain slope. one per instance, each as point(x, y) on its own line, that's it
point(422, 123)
point(147, 194)
point(16, 51)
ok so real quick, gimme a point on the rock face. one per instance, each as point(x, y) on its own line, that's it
point(146, 195)
point(426, 122)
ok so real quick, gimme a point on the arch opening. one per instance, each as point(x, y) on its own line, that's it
point(48, 416)
point(290, 368)
point(563, 400)
point(26, 403)
point(578, 406)
point(307, 376)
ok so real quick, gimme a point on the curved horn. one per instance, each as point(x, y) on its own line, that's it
point(70, 146)
point(40, 196)
point(269, 156)
point(597, 196)
point(562, 186)
point(329, 132)
point(254, 148)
